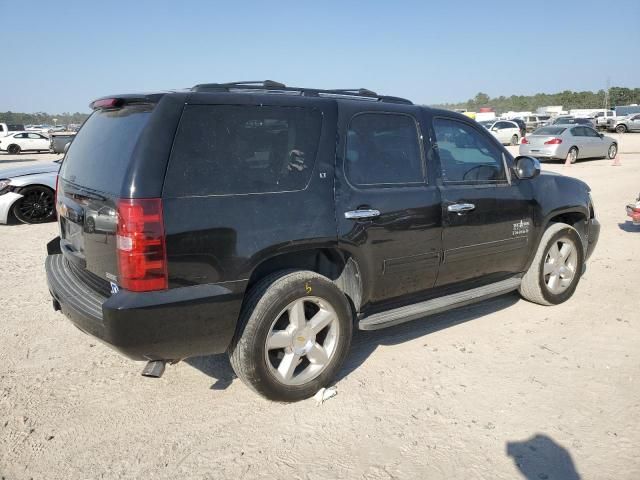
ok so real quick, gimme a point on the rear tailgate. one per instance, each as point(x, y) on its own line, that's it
point(97, 172)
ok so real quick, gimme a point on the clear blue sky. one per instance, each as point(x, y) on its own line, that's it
point(59, 55)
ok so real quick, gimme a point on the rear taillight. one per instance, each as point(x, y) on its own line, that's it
point(524, 141)
point(142, 255)
point(553, 141)
point(106, 103)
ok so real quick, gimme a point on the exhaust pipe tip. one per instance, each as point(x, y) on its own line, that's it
point(154, 368)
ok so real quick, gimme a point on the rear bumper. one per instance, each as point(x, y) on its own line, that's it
point(166, 325)
point(543, 151)
point(594, 235)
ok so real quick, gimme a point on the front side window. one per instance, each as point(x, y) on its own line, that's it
point(466, 155)
point(383, 149)
point(590, 132)
point(241, 149)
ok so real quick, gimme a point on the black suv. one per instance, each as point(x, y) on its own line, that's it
point(268, 222)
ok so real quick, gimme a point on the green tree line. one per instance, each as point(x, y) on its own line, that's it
point(568, 99)
point(42, 118)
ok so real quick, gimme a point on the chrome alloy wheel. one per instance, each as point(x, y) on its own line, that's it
point(560, 265)
point(302, 340)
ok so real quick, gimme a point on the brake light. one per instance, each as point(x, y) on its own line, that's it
point(553, 141)
point(106, 103)
point(142, 255)
point(524, 141)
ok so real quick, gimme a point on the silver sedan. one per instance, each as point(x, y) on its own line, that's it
point(568, 142)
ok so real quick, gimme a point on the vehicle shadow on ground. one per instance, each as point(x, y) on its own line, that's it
point(540, 457)
point(364, 343)
point(629, 227)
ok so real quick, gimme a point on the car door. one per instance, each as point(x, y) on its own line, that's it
point(634, 123)
point(487, 214)
point(38, 142)
point(597, 144)
point(387, 206)
point(22, 140)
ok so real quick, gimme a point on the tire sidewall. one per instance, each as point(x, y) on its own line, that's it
point(553, 298)
point(278, 296)
point(611, 157)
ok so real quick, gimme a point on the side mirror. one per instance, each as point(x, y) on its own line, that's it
point(601, 135)
point(526, 167)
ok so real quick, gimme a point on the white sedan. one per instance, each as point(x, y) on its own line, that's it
point(24, 142)
point(507, 132)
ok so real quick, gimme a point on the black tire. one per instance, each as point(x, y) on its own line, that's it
point(573, 159)
point(534, 287)
point(621, 129)
point(514, 140)
point(13, 149)
point(612, 151)
point(261, 308)
point(37, 205)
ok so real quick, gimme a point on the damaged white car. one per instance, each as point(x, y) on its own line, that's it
point(28, 193)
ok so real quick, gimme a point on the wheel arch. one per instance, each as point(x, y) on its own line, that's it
point(337, 265)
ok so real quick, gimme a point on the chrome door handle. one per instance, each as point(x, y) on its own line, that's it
point(359, 214)
point(461, 208)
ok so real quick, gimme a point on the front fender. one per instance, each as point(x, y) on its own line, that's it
point(6, 202)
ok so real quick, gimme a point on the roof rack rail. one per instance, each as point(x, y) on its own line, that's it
point(266, 85)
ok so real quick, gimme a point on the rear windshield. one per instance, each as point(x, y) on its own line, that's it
point(100, 153)
point(549, 131)
point(232, 149)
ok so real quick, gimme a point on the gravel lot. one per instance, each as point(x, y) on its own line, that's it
point(501, 390)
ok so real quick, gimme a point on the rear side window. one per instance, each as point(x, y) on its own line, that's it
point(383, 149)
point(466, 155)
point(99, 156)
point(233, 149)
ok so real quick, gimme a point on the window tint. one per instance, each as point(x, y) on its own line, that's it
point(590, 132)
point(20, 135)
point(100, 153)
point(577, 132)
point(231, 149)
point(465, 154)
point(34, 136)
point(501, 125)
point(383, 149)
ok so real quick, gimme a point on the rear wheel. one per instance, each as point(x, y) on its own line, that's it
point(514, 140)
point(621, 129)
point(572, 156)
point(613, 151)
point(556, 269)
point(35, 206)
point(295, 332)
point(13, 149)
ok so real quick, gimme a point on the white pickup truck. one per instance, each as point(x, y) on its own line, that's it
point(6, 128)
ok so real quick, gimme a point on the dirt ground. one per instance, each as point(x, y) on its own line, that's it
point(501, 390)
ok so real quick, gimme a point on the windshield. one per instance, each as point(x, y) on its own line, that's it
point(549, 131)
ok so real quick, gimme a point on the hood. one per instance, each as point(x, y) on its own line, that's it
point(39, 167)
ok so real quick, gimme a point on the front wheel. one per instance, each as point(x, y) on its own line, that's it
point(621, 129)
point(613, 151)
point(556, 269)
point(295, 332)
point(13, 149)
point(572, 156)
point(35, 206)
